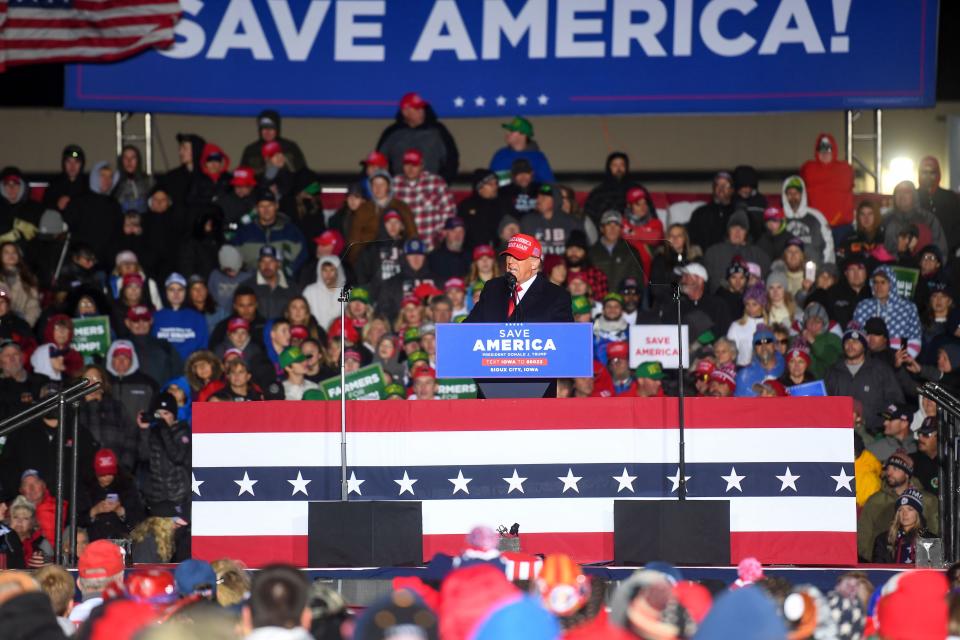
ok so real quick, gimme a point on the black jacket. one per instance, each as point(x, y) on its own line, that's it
point(170, 459)
point(109, 525)
point(543, 302)
point(481, 218)
point(35, 447)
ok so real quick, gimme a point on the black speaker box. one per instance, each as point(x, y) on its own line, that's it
point(365, 534)
point(679, 532)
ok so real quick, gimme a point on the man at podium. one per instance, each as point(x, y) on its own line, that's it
point(522, 294)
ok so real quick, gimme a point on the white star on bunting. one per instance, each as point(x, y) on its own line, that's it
point(479, 101)
point(788, 480)
point(624, 481)
point(501, 101)
point(458, 102)
point(196, 483)
point(460, 483)
point(675, 479)
point(542, 99)
point(406, 483)
point(246, 485)
point(570, 481)
point(733, 480)
point(353, 484)
point(843, 480)
point(299, 485)
point(515, 482)
point(522, 100)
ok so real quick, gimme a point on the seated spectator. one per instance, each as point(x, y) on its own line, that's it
point(735, 287)
point(424, 384)
point(323, 295)
point(641, 226)
point(239, 202)
point(367, 222)
point(612, 255)
point(381, 261)
point(721, 254)
point(110, 507)
point(133, 184)
point(943, 203)
point(766, 363)
point(318, 364)
point(450, 259)
point(805, 222)
point(276, 338)
point(726, 353)
point(792, 263)
point(906, 213)
point(223, 282)
point(482, 211)
point(611, 193)
point(58, 331)
point(414, 273)
point(239, 386)
point(844, 296)
point(295, 384)
point(271, 285)
point(649, 377)
point(520, 144)
point(200, 300)
point(47, 362)
point(900, 314)
point(693, 281)
point(12, 326)
point(160, 360)
point(426, 194)
point(21, 284)
point(708, 223)
point(930, 263)
point(183, 328)
point(878, 342)
point(37, 549)
point(417, 127)
point(102, 415)
point(722, 384)
point(618, 364)
point(297, 313)
point(926, 460)
point(520, 195)
point(869, 382)
point(610, 326)
point(898, 544)
point(201, 370)
point(19, 388)
point(576, 260)
point(271, 227)
point(824, 344)
point(127, 264)
point(169, 444)
point(455, 290)
point(21, 212)
point(70, 182)
point(239, 337)
point(781, 308)
point(868, 232)
point(797, 370)
point(268, 130)
point(741, 332)
point(896, 432)
point(675, 253)
point(245, 306)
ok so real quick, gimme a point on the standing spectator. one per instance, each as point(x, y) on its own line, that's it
point(240, 200)
point(747, 199)
point(451, 259)
point(200, 251)
point(708, 223)
point(575, 257)
point(132, 388)
point(548, 223)
point(59, 332)
point(160, 359)
point(166, 225)
point(675, 253)
point(17, 205)
point(417, 127)
point(47, 362)
point(94, 217)
point(19, 388)
point(805, 222)
point(367, 222)
point(797, 370)
point(521, 194)
point(328, 243)
point(213, 177)
point(926, 463)
point(184, 328)
point(102, 415)
point(720, 255)
point(734, 290)
point(375, 161)
point(611, 193)
point(277, 607)
point(824, 344)
point(843, 297)
point(133, 185)
point(897, 435)
point(641, 226)
point(482, 211)
point(37, 549)
point(200, 300)
point(268, 130)
point(70, 182)
point(753, 315)
point(905, 214)
point(618, 364)
point(781, 309)
point(830, 185)
point(520, 144)
point(169, 444)
point(898, 545)
point(766, 363)
point(868, 232)
point(424, 384)
point(426, 194)
point(271, 227)
point(323, 295)
point(271, 286)
point(609, 327)
point(697, 298)
point(381, 261)
point(295, 384)
point(238, 337)
point(178, 182)
point(942, 203)
point(775, 236)
point(414, 272)
point(867, 381)
point(99, 566)
point(903, 322)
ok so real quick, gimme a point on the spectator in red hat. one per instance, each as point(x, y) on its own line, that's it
point(548, 223)
point(329, 243)
point(159, 359)
point(239, 337)
point(239, 200)
point(98, 567)
point(212, 178)
point(417, 127)
point(618, 364)
point(424, 384)
point(722, 384)
point(485, 265)
point(775, 236)
point(109, 507)
point(367, 222)
point(451, 259)
point(132, 388)
point(373, 162)
point(456, 291)
point(798, 367)
point(426, 194)
point(641, 225)
point(268, 129)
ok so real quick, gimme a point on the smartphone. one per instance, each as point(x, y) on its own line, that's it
point(810, 271)
point(113, 497)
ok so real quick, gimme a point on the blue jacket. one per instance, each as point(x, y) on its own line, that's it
point(754, 373)
point(503, 159)
point(282, 234)
point(185, 329)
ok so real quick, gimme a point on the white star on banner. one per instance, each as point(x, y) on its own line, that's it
point(460, 483)
point(299, 485)
point(458, 102)
point(353, 484)
point(570, 481)
point(406, 483)
point(515, 482)
point(196, 483)
point(501, 101)
point(522, 100)
point(479, 101)
point(788, 480)
point(675, 479)
point(246, 485)
point(625, 481)
point(843, 480)
point(733, 480)
point(542, 99)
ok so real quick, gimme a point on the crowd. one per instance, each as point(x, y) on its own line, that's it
point(481, 594)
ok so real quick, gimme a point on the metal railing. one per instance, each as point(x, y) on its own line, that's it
point(68, 396)
point(948, 444)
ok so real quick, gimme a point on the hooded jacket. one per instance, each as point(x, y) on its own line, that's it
point(323, 302)
point(41, 364)
point(432, 139)
point(808, 224)
point(178, 182)
point(945, 205)
point(611, 193)
point(131, 189)
point(830, 184)
point(72, 360)
point(903, 322)
point(134, 390)
point(283, 235)
point(18, 217)
point(95, 219)
point(253, 158)
point(929, 229)
point(206, 186)
point(62, 185)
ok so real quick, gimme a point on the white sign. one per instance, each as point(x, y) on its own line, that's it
point(658, 343)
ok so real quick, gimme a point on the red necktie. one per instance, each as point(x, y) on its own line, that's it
point(514, 300)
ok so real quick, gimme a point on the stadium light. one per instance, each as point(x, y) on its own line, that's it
point(900, 168)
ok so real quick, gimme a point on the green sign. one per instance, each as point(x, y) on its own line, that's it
point(456, 388)
point(906, 280)
point(363, 384)
point(91, 335)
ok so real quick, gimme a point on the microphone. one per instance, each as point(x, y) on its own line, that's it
point(511, 281)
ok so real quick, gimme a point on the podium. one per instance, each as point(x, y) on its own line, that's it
point(521, 360)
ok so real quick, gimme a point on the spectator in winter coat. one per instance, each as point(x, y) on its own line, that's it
point(367, 223)
point(239, 336)
point(58, 331)
point(70, 182)
point(110, 506)
point(270, 284)
point(548, 223)
point(273, 228)
point(868, 231)
point(133, 184)
point(323, 295)
point(906, 214)
point(942, 203)
point(417, 127)
point(239, 387)
point(451, 259)
point(132, 388)
point(520, 144)
point(611, 194)
point(830, 183)
point(213, 177)
point(414, 272)
point(576, 260)
point(169, 446)
point(867, 380)
point(20, 282)
point(708, 223)
point(766, 363)
point(825, 346)
point(900, 314)
point(17, 207)
point(245, 305)
point(805, 222)
point(240, 200)
point(426, 194)
point(178, 182)
point(101, 414)
point(774, 238)
point(184, 328)
point(161, 361)
point(223, 282)
point(268, 130)
point(47, 363)
point(843, 297)
point(482, 211)
point(747, 199)
point(19, 388)
point(641, 226)
point(521, 194)
point(200, 251)
point(720, 255)
point(94, 217)
point(166, 225)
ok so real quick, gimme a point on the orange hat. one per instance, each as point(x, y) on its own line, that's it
point(562, 585)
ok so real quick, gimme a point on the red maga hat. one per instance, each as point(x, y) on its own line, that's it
point(271, 149)
point(522, 246)
point(413, 100)
point(413, 156)
point(243, 177)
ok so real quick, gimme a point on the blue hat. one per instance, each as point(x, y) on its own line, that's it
point(195, 576)
point(854, 333)
point(523, 619)
point(747, 614)
point(911, 498)
point(763, 334)
point(415, 246)
point(269, 251)
point(175, 278)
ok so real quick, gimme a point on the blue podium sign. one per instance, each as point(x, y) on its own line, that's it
point(535, 350)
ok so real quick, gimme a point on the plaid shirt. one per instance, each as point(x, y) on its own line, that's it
point(430, 200)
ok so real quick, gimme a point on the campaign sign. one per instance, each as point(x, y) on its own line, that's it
point(808, 389)
point(91, 335)
point(522, 350)
point(658, 343)
point(456, 389)
point(907, 279)
point(366, 383)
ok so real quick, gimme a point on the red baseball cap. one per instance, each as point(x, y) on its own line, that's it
point(271, 149)
point(105, 463)
point(353, 336)
point(773, 385)
point(618, 350)
point(704, 368)
point(237, 323)
point(773, 213)
point(232, 352)
point(299, 332)
point(375, 159)
point(425, 372)
point(131, 278)
point(724, 377)
point(243, 177)
point(100, 559)
point(412, 99)
point(483, 250)
point(392, 215)
point(413, 156)
point(139, 312)
point(352, 354)
point(330, 238)
point(636, 194)
point(454, 283)
point(122, 349)
point(522, 246)
point(414, 300)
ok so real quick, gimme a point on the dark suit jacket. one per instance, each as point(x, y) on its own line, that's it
point(543, 302)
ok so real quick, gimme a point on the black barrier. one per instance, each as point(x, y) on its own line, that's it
point(948, 443)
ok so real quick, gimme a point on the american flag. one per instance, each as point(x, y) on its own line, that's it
point(35, 31)
point(553, 466)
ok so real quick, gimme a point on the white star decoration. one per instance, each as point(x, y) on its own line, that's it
point(479, 101)
point(788, 480)
point(522, 100)
point(246, 485)
point(501, 101)
point(458, 102)
point(406, 483)
point(353, 484)
point(843, 480)
point(515, 482)
point(196, 483)
point(624, 481)
point(675, 479)
point(570, 481)
point(460, 483)
point(542, 99)
point(299, 485)
point(733, 480)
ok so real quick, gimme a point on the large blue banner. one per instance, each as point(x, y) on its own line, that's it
point(525, 350)
point(355, 58)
